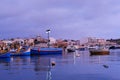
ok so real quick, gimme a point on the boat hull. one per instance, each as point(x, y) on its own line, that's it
point(5, 55)
point(46, 51)
point(70, 50)
point(21, 54)
point(99, 52)
point(25, 51)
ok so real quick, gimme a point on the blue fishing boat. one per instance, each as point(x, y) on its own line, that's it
point(5, 55)
point(24, 51)
point(46, 51)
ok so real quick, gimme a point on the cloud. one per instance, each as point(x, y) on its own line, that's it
point(66, 18)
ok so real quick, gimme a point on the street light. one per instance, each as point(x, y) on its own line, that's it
point(48, 32)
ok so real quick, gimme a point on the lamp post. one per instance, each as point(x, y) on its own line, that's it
point(48, 32)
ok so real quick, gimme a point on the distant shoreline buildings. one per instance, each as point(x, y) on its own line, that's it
point(63, 43)
point(93, 41)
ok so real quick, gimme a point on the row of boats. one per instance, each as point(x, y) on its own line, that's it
point(93, 50)
point(27, 51)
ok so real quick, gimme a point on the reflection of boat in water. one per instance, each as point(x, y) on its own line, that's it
point(99, 52)
point(4, 60)
point(46, 51)
point(24, 51)
point(43, 64)
point(5, 55)
point(20, 59)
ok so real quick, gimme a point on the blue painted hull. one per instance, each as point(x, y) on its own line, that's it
point(21, 54)
point(46, 51)
point(5, 55)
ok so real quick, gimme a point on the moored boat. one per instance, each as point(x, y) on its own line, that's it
point(24, 51)
point(114, 47)
point(5, 55)
point(99, 52)
point(46, 51)
point(70, 48)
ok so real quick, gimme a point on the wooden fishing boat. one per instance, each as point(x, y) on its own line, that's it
point(46, 51)
point(24, 51)
point(5, 55)
point(99, 52)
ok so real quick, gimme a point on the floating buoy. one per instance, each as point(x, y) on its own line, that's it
point(105, 66)
point(53, 63)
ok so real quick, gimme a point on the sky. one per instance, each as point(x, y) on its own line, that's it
point(67, 19)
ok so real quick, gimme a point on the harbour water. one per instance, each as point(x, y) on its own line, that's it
point(67, 66)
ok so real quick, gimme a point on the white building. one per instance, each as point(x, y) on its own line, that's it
point(52, 40)
point(92, 41)
point(21, 41)
point(7, 42)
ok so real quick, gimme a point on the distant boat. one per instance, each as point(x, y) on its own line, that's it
point(70, 48)
point(114, 47)
point(83, 49)
point(24, 51)
point(46, 51)
point(99, 52)
point(5, 55)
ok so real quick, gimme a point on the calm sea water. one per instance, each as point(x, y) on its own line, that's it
point(67, 67)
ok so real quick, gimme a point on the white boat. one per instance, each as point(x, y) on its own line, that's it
point(70, 48)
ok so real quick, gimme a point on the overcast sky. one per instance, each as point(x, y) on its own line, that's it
point(69, 19)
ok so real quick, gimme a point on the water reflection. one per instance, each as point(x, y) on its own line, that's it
point(20, 59)
point(5, 62)
point(47, 63)
point(67, 66)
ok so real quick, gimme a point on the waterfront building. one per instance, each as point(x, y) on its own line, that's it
point(30, 42)
point(1, 43)
point(19, 40)
point(93, 41)
point(52, 40)
point(61, 43)
point(7, 42)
